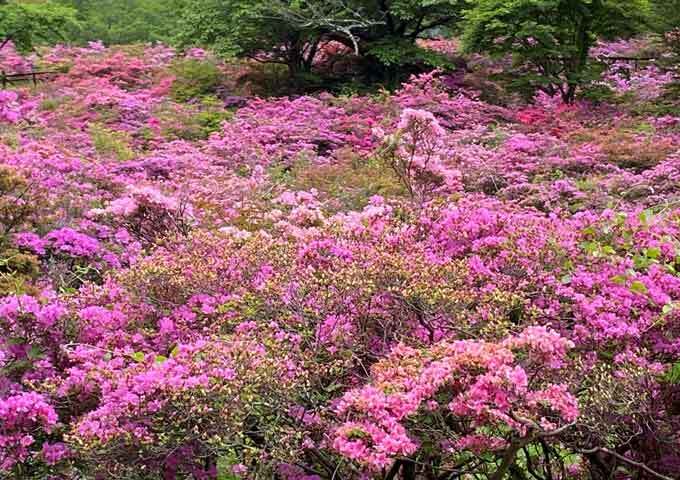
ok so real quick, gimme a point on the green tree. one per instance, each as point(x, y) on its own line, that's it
point(124, 21)
point(28, 23)
point(551, 39)
point(666, 14)
point(290, 31)
point(262, 30)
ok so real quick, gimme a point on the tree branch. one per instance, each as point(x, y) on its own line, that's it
point(627, 460)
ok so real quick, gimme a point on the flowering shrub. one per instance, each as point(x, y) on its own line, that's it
point(212, 383)
point(414, 285)
point(475, 382)
point(11, 61)
point(417, 154)
point(672, 38)
point(13, 108)
point(22, 415)
point(147, 214)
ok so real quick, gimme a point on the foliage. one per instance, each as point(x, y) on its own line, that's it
point(250, 29)
point(29, 23)
point(666, 14)
point(413, 284)
point(123, 21)
point(195, 78)
point(296, 33)
point(551, 39)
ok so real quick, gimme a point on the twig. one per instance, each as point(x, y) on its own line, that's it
point(627, 460)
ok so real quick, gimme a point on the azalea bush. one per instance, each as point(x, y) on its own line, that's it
point(411, 285)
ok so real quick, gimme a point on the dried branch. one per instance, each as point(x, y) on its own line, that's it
point(627, 460)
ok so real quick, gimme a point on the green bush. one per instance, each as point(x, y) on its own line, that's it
point(17, 270)
point(109, 142)
point(195, 78)
point(599, 94)
point(195, 123)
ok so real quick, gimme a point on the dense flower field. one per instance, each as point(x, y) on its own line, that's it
point(409, 285)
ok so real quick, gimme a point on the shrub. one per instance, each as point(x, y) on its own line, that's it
point(637, 152)
point(148, 215)
point(672, 39)
point(417, 155)
point(111, 142)
point(194, 78)
point(18, 202)
point(17, 271)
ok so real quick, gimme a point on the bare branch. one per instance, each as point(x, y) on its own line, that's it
point(627, 460)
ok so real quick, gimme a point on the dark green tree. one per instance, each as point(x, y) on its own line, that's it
point(389, 46)
point(290, 31)
point(271, 32)
point(666, 14)
point(550, 40)
point(124, 21)
point(29, 23)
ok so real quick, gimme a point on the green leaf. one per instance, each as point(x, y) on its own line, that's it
point(638, 287)
point(619, 279)
point(654, 253)
point(646, 216)
point(138, 357)
point(160, 358)
point(34, 352)
point(673, 374)
point(590, 247)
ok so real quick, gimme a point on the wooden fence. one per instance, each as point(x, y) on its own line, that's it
point(636, 62)
point(34, 77)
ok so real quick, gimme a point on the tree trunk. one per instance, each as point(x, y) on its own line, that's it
point(569, 95)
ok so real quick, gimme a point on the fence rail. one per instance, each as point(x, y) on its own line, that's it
point(35, 77)
point(637, 62)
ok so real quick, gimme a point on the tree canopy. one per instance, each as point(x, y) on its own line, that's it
point(25, 23)
point(124, 21)
point(551, 38)
point(290, 31)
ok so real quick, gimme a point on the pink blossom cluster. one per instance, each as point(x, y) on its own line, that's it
point(11, 61)
point(479, 381)
point(264, 297)
point(13, 108)
point(23, 414)
point(285, 130)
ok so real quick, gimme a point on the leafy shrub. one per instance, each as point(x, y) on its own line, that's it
point(417, 155)
point(111, 142)
point(637, 152)
point(194, 78)
point(17, 271)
